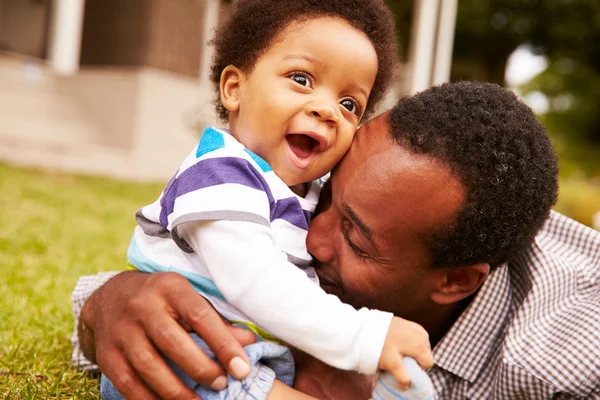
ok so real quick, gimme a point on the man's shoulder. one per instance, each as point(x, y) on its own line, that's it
point(570, 241)
point(554, 333)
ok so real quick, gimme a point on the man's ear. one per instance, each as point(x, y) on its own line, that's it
point(457, 283)
point(229, 88)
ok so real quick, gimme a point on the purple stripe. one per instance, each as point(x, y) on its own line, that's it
point(162, 201)
point(212, 172)
point(290, 210)
point(307, 215)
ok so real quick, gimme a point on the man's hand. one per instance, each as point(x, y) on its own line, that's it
point(135, 317)
point(405, 338)
point(322, 381)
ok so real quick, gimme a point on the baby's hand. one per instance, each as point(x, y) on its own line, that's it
point(421, 387)
point(405, 338)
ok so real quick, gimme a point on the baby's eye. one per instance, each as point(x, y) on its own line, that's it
point(351, 106)
point(301, 79)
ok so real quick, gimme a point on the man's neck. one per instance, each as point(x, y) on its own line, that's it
point(438, 321)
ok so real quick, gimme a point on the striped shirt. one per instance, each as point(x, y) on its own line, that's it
point(220, 180)
point(531, 332)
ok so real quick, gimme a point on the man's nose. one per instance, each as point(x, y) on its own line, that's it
point(319, 241)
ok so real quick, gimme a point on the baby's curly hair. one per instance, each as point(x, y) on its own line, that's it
point(254, 24)
point(496, 147)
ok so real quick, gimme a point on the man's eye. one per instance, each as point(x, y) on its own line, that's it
point(355, 249)
point(351, 106)
point(301, 80)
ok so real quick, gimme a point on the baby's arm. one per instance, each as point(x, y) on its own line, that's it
point(256, 278)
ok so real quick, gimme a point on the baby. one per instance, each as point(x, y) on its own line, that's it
point(294, 80)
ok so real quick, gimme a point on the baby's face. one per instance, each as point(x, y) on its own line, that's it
point(300, 105)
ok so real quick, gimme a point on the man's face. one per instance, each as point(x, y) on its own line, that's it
point(379, 207)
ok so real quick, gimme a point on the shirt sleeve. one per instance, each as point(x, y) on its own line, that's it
point(85, 287)
point(256, 278)
point(225, 186)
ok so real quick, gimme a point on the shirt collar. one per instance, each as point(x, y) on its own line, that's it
point(464, 350)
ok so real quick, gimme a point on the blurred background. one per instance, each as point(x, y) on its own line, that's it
point(101, 99)
point(118, 87)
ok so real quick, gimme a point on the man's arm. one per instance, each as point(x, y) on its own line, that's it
point(134, 316)
point(281, 391)
point(317, 379)
point(129, 296)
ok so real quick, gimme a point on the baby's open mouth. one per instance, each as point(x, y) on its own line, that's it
point(302, 145)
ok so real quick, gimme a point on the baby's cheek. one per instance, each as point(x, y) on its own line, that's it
point(340, 151)
point(327, 161)
point(347, 138)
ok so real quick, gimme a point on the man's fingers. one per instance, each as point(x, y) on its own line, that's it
point(123, 377)
point(207, 323)
point(243, 336)
point(177, 345)
point(151, 367)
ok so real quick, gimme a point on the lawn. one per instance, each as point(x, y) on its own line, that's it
point(55, 228)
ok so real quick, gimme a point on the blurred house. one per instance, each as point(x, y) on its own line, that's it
point(111, 87)
point(120, 87)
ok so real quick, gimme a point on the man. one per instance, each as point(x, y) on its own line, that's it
point(432, 215)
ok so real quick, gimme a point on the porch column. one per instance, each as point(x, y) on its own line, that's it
point(422, 44)
point(211, 21)
point(445, 42)
point(431, 43)
point(64, 44)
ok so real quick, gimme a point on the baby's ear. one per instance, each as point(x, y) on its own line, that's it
point(229, 88)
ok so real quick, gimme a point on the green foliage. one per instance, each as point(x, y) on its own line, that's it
point(55, 228)
point(573, 90)
point(403, 11)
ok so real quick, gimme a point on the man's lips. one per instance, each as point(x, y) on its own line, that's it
point(330, 287)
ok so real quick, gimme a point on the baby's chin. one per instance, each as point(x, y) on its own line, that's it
point(294, 177)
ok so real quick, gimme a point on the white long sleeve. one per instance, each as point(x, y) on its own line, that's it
point(256, 278)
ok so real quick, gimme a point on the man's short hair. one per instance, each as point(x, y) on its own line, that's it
point(255, 24)
point(494, 144)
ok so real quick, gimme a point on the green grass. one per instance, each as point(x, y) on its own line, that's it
point(54, 228)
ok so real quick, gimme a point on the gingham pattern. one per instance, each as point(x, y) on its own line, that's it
point(531, 332)
point(86, 285)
